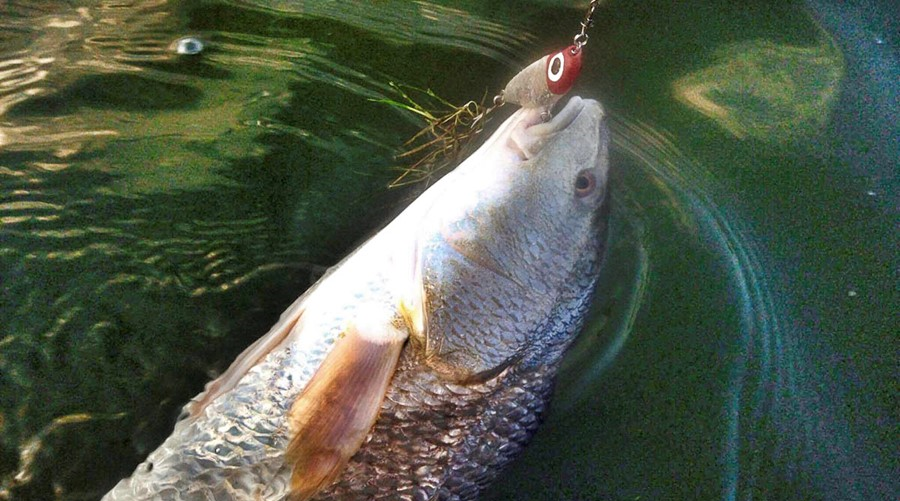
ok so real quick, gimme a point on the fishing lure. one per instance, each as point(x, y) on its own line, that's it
point(448, 137)
point(545, 81)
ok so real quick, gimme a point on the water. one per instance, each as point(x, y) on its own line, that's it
point(159, 209)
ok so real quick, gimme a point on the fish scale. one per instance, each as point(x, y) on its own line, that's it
point(427, 426)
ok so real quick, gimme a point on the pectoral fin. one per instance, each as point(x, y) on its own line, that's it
point(332, 416)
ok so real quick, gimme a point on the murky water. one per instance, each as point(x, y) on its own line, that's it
point(159, 210)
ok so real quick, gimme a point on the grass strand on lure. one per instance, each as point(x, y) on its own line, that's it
point(448, 132)
point(450, 129)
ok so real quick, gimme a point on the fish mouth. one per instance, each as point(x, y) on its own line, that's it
point(530, 131)
point(560, 119)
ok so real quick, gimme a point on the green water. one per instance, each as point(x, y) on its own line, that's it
point(158, 212)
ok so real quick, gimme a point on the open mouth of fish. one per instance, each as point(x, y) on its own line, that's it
point(525, 132)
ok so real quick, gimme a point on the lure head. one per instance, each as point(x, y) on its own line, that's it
point(563, 69)
point(546, 80)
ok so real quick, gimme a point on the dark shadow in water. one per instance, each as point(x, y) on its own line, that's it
point(123, 92)
point(192, 66)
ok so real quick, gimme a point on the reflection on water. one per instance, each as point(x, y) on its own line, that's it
point(158, 211)
point(60, 44)
point(767, 91)
point(420, 22)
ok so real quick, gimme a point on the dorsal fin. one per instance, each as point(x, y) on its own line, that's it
point(245, 361)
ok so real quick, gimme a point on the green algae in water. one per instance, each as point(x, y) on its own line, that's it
point(767, 91)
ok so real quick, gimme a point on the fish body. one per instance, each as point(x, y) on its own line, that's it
point(423, 362)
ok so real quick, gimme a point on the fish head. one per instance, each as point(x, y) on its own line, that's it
point(513, 240)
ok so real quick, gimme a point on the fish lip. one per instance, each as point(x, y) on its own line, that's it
point(560, 120)
point(527, 136)
point(520, 134)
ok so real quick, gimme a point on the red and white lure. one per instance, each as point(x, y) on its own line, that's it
point(549, 78)
point(546, 80)
point(538, 86)
point(562, 69)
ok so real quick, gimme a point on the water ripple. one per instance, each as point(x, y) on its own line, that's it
point(759, 364)
point(414, 22)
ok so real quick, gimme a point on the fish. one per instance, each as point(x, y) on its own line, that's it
point(423, 363)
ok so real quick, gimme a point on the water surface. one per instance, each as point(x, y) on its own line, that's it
point(158, 211)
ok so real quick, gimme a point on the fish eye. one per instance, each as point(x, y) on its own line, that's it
point(585, 183)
